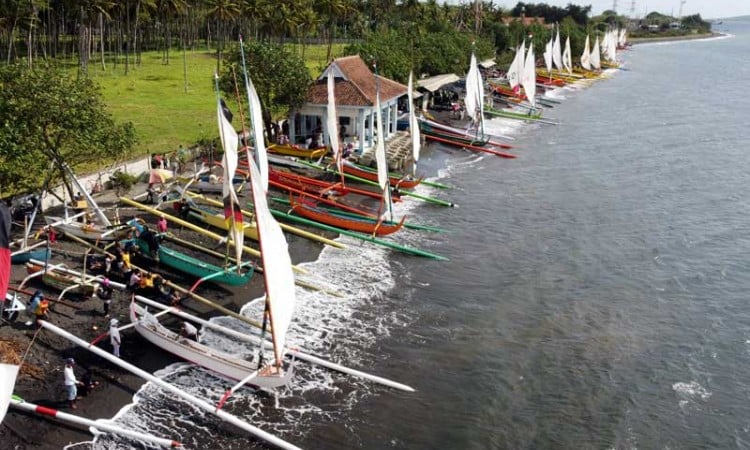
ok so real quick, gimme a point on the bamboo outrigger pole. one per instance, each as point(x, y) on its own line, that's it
point(18, 403)
point(200, 403)
point(285, 227)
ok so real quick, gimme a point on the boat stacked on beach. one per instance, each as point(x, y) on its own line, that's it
point(321, 188)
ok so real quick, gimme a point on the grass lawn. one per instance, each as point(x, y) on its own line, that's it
point(154, 98)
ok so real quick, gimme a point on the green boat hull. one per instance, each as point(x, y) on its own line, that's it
point(198, 268)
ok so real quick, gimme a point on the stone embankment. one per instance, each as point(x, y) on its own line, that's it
point(398, 152)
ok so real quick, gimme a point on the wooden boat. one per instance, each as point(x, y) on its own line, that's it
point(308, 210)
point(88, 231)
point(217, 220)
point(24, 256)
point(229, 366)
point(62, 281)
point(297, 151)
point(325, 189)
point(405, 181)
point(279, 284)
point(531, 114)
point(431, 128)
point(194, 266)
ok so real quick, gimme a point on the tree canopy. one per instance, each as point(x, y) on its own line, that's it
point(279, 76)
point(49, 117)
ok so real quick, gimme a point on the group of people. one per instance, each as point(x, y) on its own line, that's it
point(174, 161)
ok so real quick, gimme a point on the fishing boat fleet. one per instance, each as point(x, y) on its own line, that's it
point(318, 188)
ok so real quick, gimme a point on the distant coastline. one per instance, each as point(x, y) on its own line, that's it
point(635, 41)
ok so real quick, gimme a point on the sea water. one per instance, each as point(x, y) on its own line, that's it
point(595, 297)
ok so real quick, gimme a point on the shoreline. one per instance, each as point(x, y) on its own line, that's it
point(688, 37)
point(41, 381)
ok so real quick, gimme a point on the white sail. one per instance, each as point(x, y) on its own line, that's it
point(472, 90)
point(548, 56)
point(332, 123)
point(380, 158)
point(612, 46)
point(586, 55)
point(557, 51)
point(8, 374)
point(277, 267)
point(528, 80)
point(604, 45)
point(229, 142)
point(515, 72)
point(623, 37)
point(567, 61)
point(256, 119)
point(596, 61)
point(416, 142)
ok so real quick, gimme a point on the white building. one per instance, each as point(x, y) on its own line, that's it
point(355, 89)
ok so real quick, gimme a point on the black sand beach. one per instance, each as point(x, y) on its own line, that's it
point(41, 378)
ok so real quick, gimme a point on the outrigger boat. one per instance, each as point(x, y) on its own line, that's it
point(397, 182)
point(319, 188)
point(148, 326)
point(193, 266)
point(102, 231)
point(59, 280)
point(296, 151)
point(370, 226)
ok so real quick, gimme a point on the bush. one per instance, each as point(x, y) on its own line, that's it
point(122, 181)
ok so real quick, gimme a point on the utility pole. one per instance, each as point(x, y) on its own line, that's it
point(614, 6)
point(632, 9)
point(682, 3)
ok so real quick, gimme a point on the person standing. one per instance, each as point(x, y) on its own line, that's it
point(104, 292)
point(114, 337)
point(161, 225)
point(71, 383)
point(5, 224)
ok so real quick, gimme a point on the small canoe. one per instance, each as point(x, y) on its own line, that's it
point(217, 220)
point(194, 266)
point(297, 151)
point(88, 231)
point(404, 181)
point(366, 225)
point(24, 256)
point(63, 281)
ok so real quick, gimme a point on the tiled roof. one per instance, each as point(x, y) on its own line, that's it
point(357, 87)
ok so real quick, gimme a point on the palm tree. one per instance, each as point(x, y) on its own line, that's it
point(330, 10)
point(169, 9)
point(222, 11)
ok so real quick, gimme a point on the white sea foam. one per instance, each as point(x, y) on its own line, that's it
point(690, 392)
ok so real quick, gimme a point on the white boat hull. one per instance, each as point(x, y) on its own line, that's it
point(83, 231)
point(202, 355)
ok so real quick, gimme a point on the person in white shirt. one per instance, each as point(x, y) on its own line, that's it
point(114, 337)
point(71, 383)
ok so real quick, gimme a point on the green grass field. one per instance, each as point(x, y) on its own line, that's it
point(153, 96)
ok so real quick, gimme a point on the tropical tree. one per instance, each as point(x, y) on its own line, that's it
point(50, 118)
point(279, 76)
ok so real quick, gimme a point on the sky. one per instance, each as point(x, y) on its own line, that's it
point(708, 9)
